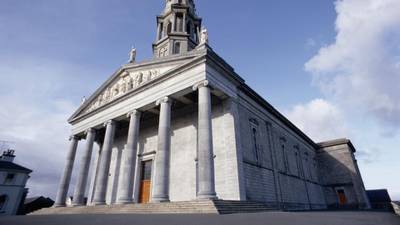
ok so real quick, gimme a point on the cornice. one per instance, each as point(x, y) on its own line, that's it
point(167, 75)
point(142, 65)
point(199, 55)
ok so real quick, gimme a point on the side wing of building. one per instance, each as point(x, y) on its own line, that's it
point(277, 163)
point(340, 175)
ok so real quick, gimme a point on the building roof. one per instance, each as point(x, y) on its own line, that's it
point(335, 142)
point(380, 195)
point(4, 165)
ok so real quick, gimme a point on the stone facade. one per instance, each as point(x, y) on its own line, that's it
point(208, 134)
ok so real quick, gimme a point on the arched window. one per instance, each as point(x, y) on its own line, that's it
point(3, 200)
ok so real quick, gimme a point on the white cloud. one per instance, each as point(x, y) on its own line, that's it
point(359, 75)
point(319, 119)
point(36, 101)
point(360, 69)
point(311, 43)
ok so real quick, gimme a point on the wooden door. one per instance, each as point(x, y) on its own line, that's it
point(342, 197)
point(145, 183)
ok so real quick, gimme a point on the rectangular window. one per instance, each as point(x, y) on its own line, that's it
point(256, 150)
point(285, 159)
point(9, 178)
point(298, 163)
point(177, 48)
point(255, 147)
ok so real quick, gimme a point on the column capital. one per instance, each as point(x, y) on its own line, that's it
point(163, 100)
point(204, 83)
point(110, 122)
point(90, 130)
point(74, 137)
point(133, 113)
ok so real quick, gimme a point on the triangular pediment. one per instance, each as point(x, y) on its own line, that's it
point(124, 83)
point(126, 80)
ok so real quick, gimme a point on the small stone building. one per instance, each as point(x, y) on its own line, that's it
point(13, 178)
point(380, 199)
point(185, 126)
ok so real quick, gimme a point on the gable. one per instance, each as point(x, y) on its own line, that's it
point(124, 83)
point(127, 80)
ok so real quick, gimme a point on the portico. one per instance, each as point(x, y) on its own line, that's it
point(197, 96)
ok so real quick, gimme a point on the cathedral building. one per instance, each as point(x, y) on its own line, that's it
point(184, 126)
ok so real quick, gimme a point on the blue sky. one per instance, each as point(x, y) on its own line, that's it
point(333, 67)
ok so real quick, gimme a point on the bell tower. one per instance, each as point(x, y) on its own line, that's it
point(178, 29)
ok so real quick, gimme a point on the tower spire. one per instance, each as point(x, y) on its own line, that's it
point(178, 28)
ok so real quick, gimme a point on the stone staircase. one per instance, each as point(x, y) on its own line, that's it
point(190, 207)
point(396, 207)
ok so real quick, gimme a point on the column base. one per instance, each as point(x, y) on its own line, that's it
point(207, 196)
point(99, 203)
point(160, 200)
point(78, 204)
point(124, 202)
point(59, 205)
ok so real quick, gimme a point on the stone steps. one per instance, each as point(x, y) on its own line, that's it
point(396, 207)
point(192, 207)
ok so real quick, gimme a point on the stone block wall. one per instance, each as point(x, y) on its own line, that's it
point(280, 167)
point(260, 184)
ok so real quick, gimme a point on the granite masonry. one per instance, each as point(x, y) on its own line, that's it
point(184, 126)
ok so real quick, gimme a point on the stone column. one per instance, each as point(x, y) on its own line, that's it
point(126, 183)
point(80, 189)
point(93, 176)
point(104, 167)
point(162, 161)
point(205, 154)
point(66, 177)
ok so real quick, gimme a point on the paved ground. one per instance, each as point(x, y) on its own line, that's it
point(269, 218)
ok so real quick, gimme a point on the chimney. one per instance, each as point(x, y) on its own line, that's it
point(8, 156)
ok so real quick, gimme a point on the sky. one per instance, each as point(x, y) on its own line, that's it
point(331, 66)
